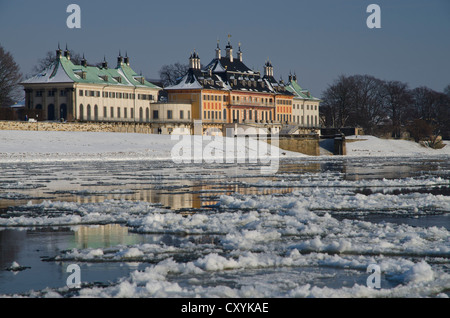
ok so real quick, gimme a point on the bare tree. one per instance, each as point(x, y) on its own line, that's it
point(50, 58)
point(397, 99)
point(425, 102)
point(447, 90)
point(367, 107)
point(434, 108)
point(337, 101)
point(10, 77)
point(171, 74)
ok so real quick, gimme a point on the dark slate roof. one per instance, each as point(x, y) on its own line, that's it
point(222, 74)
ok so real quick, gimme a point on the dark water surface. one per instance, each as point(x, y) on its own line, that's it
point(186, 189)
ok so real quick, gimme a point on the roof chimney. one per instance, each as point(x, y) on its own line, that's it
point(58, 52)
point(239, 53)
point(229, 49)
point(67, 53)
point(83, 61)
point(218, 51)
point(104, 63)
point(119, 59)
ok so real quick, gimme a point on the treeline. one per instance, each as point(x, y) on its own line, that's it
point(386, 108)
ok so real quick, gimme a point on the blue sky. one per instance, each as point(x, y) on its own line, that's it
point(317, 39)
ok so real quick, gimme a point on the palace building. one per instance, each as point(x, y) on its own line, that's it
point(89, 93)
point(225, 93)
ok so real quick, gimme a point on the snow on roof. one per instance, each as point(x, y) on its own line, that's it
point(186, 83)
point(53, 74)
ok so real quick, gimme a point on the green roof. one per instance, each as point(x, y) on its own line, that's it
point(123, 74)
point(296, 89)
point(63, 70)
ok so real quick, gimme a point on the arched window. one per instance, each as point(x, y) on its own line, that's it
point(81, 112)
point(88, 112)
point(51, 112)
point(141, 114)
point(63, 111)
point(96, 113)
point(147, 114)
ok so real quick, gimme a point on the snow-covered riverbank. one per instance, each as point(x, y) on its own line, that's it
point(42, 146)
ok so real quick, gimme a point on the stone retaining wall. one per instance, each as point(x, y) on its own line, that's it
point(94, 127)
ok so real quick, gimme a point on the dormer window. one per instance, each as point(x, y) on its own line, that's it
point(140, 79)
point(81, 74)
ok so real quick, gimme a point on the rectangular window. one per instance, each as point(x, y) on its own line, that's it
point(169, 114)
point(181, 114)
point(189, 114)
point(118, 112)
point(204, 114)
point(155, 114)
point(62, 93)
point(125, 111)
point(51, 93)
point(112, 112)
point(105, 112)
point(80, 93)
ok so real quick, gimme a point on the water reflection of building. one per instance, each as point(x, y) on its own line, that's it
point(175, 193)
point(103, 236)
